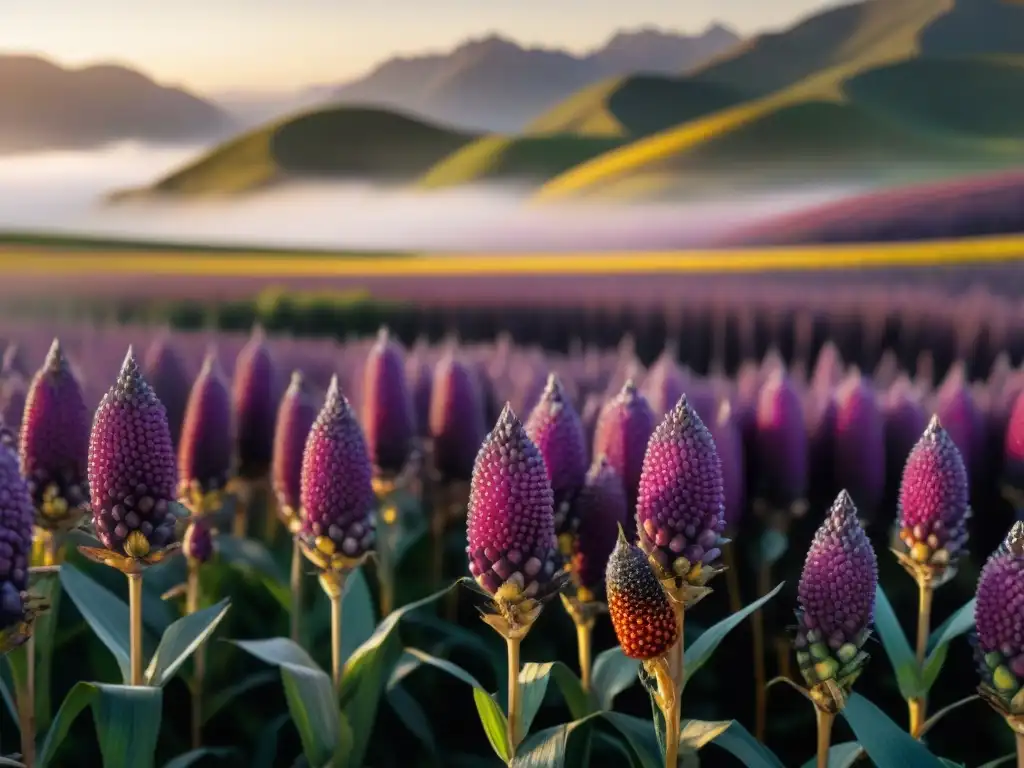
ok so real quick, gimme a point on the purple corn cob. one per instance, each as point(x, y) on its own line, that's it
point(132, 473)
point(837, 599)
point(1013, 455)
point(933, 499)
point(828, 368)
point(665, 383)
point(388, 415)
point(729, 444)
point(999, 622)
point(680, 511)
point(623, 429)
point(295, 418)
point(820, 411)
point(337, 483)
point(905, 420)
point(556, 430)
point(860, 444)
point(165, 371)
point(204, 450)
point(197, 543)
point(55, 444)
point(591, 412)
point(456, 419)
point(254, 399)
point(959, 414)
point(418, 375)
point(7, 437)
point(511, 525)
point(13, 361)
point(600, 508)
point(13, 395)
point(781, 442)
point(16, 517)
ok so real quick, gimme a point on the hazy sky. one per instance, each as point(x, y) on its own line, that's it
point(212, 45)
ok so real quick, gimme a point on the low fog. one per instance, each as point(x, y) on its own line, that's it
point(62, 192)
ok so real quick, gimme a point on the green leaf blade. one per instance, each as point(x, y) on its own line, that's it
point(613, 673)
point(127, 722)
point(181, 640)
point(897, 647)
point(884, 741)
point(700, 651)
point(104, 612)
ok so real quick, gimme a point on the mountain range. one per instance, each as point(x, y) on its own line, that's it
point(494, 84)
point(46, 106)
point(487, 84)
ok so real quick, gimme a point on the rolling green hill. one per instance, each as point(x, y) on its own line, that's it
point(338, 142)
point(922, 81)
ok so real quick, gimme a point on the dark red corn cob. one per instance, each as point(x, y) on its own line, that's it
point(132, 473)
point(295, 418)
point(781, 441)
point(837, 599)
point(164, 370)
point(387, 407)
point(999, 623)
point(254, 399)
point(197, 543)
point(680, 512)
point(511, 523)
point(956, 409)
point(860, 444)
point(555, 428)
point(600, 510)
point(456, 419)
point(729, 443)
point(933, 499)
point(623, 429)
point(55, 444)
point(665, 383)
point(204, 450)
point(337, 483)
point(644, 620)
point(16, 517)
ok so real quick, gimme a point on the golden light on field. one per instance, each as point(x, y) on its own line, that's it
point(27, 260)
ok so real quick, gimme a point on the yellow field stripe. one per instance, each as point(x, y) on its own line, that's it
point(211, 264)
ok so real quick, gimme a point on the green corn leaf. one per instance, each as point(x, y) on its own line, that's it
point(533, 680)
point(44, 631)
point(639, 736)
point(8, 763)
point(367, 672)
point(1004, 760)
point(740, 743)
point(264, 754)
point(897, 648)
point(127, 720)
point(187, 759)
point(103, 611)
point(491, 717)
point(412, 716)
point(563, 746)
point(250, 556)
point(359, 617)
point(181, 640)
point(309, 693)
point(700, 651)
point(843, 755)
point(772, 546)
point(613, 673)
point(884, 741)
point(225, 696)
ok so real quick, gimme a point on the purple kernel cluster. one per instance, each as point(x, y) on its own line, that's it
point(680, 508)
point(132, 472)
point(511, 524)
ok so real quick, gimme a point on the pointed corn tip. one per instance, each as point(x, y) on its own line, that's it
point(54, 357)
